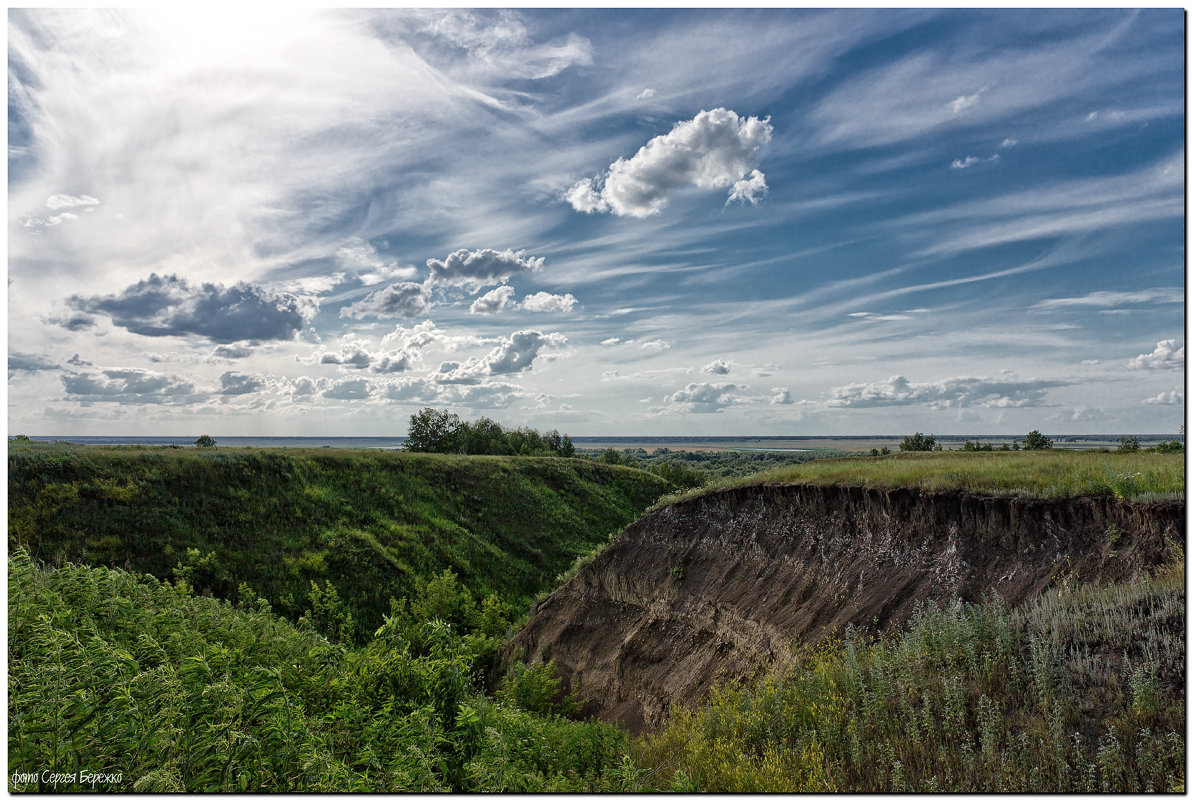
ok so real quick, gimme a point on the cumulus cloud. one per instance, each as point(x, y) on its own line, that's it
point(27, 362)
point(705, 398)
point(645, 94)
point(947, 393)
point(655, 345)
point(716, 149)
point(517, 353)
point(749, 190)
point(781, 397)
point(231, 351)
point(356, 353)
point(76, 361)
point(1172, 398)
point(395, 300)
point(138, 386)
point(478, 268)
point(166, 305)
point(497, 300)
point(351, 389)
point(1165, 356)
point(609, 342)
point(717, 367)
point(545, 302)
point(237, 383)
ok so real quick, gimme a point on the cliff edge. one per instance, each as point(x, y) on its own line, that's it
point(720, 585)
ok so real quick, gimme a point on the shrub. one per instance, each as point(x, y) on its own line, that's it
point(918, 443)
point(1036, 441)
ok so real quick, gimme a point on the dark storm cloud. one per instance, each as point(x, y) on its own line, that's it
point(166, 305)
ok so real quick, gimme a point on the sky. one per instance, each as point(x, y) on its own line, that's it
point(268, 221)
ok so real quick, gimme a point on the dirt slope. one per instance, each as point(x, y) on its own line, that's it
point(718, 586)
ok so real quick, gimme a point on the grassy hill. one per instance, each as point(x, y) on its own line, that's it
point(371, 524)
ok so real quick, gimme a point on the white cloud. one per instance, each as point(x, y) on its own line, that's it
point(361, 259)
point(59, 201)
point(750, 189)
point(714, 150)
point(1172, 398)
point(705, 398)
point(1008, 143)
point(609, 342)
point(781, 397)
point(497, 300)
point(972, 161)
point(947, 393)
point(478, 268)
point(1111, 299)
point(645, 94)
point(717, 367)
point(965, 102)
point(1165, 356)
point(517, 353)
point(655, 345)
point(544, 301)
point(396, 300)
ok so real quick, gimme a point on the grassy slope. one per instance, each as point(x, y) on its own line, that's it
point(113, 672)
point(374, 524)
point(1037, 473)
point(1081, 691)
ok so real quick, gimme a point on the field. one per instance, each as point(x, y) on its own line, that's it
point(329, 621)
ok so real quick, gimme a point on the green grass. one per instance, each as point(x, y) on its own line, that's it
point(374, 524)
point(1082, 691)
point(1141, 477)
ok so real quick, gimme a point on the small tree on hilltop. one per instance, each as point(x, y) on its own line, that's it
point(1036, 441)
point(433, 431)
point(918, 443)
point(204, 441)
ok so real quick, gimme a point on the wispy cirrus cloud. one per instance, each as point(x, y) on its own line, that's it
point(946, 393)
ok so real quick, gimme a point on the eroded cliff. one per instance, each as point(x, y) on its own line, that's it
point(720, 585)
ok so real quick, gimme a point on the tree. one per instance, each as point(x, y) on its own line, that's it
point(1036, 441)
point(433, 431)
point(1128, 444)
point(918, 443)
point(204, 441)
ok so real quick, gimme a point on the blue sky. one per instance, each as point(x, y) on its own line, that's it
point(264, 221)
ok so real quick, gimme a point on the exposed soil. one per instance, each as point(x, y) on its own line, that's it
point(721, 585)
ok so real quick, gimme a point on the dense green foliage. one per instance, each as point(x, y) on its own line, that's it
point(433, 431)
point(689, 469)
point(1036, 441)
point(918, 443)
point(372, 525)
point(116, 673)
point(1079, 692)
